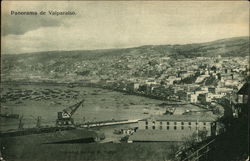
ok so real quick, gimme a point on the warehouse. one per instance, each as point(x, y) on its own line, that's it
point(174, 128)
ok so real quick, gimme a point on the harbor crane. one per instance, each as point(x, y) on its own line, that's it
point(65, 117)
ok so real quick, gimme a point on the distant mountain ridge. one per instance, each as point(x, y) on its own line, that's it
point(237, 46)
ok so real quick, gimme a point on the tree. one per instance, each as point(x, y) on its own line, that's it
point(202, 135)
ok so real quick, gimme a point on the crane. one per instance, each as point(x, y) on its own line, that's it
point(65, 117)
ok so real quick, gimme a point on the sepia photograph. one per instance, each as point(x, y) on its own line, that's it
point(124, 81)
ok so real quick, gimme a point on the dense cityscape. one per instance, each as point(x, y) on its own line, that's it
point(200, 97)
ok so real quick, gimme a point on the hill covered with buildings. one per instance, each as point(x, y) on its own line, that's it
point(144, 61)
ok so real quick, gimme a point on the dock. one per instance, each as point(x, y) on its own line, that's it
point(107, 123)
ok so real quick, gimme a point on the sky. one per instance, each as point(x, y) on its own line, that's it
point(109, 24)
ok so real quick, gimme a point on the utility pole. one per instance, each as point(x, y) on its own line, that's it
point(197, 137)
point(38, 123)
point(20, 125)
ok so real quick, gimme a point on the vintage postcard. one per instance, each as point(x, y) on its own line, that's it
point(124, 81)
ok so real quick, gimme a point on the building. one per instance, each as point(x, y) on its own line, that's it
point(242, 95)
point(173, 128)
point(136, 86)
point(193, 98)
point(223, 90)
point(206, 97)
point(243, 100)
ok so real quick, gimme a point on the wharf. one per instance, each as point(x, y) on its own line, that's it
point(107, 123)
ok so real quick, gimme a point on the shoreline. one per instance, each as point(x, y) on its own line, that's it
point(87, 84)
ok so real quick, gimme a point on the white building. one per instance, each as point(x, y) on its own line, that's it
point(173, 128)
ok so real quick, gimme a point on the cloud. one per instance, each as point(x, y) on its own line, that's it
point(105, 24)
point(19, 25)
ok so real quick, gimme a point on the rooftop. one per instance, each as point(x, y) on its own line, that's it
point(159, 135)
point(58, 136)
point(244, 89)
point(205, 117)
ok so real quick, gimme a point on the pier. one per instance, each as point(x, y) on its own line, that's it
point(107, 123)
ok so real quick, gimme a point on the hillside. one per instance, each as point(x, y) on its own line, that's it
point(109, 61)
